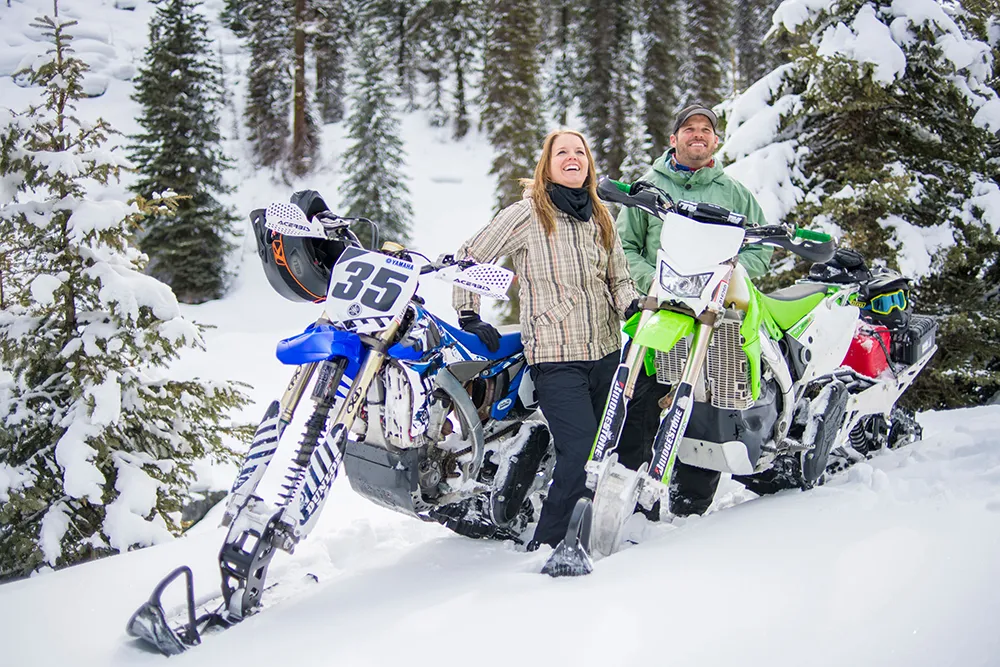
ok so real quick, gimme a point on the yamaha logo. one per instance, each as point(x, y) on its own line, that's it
point(354, 310)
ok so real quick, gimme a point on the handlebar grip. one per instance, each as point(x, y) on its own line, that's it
point(810, 235)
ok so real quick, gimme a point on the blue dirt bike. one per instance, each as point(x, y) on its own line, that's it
point(425, 420)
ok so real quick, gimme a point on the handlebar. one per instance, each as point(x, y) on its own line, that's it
point(443, 262)
point(808, 244)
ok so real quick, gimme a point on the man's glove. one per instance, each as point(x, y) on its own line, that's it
point(633, 307)
point(487, 333)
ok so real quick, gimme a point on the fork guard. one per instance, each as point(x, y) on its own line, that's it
point(149, 622)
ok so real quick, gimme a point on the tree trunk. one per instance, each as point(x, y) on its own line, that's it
point(300, 151)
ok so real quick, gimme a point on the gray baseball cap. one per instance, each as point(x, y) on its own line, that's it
point(696, 110)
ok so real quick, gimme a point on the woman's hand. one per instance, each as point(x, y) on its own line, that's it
point(469, 321)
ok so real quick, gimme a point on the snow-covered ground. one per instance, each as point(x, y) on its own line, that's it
point(895, 563)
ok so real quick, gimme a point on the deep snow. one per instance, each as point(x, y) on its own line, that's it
point(894, 563)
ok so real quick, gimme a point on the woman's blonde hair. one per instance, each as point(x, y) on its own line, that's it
point(539, 190)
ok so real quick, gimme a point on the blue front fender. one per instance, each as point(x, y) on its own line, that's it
point(320, 342)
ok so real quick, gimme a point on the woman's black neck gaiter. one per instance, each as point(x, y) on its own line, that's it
point(575, 202)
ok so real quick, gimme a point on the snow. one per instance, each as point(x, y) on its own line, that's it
point(125, 525)
point(54, 526)
point(81, 478)
point(107, 401)
point(892, 564)
point(915, 245)
point(867, 41)
point(42, 288)
point(986, 197)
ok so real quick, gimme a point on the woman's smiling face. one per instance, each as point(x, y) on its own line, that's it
point(568, 165)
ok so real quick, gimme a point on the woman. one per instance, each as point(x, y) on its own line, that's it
point(574, 285)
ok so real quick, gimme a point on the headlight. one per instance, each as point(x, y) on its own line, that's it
point(683, 286)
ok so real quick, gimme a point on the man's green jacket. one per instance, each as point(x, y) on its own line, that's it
point(640, 232)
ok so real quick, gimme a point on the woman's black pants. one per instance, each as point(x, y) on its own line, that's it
point(571, 395)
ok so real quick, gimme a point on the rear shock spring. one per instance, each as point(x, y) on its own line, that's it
point(859, 440)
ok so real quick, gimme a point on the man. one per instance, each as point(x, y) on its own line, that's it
point(689, 171)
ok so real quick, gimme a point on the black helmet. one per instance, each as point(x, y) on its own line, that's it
point(885, 299)
point(297, 267)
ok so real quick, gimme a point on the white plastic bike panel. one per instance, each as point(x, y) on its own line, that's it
point(694, 247)
point(827, 337)
point(368, 289)
point(288, 219)
point(486, 279)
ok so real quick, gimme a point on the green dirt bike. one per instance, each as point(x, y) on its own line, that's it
point(758, 382)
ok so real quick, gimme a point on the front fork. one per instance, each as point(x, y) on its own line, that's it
point(674, 423)
point(309, 493)
point(265, 441)
point(621, 392)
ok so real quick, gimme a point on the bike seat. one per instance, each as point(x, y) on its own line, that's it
point(788, 305)
point(510, 343)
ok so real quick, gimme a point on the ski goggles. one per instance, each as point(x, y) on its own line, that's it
point(883, 304)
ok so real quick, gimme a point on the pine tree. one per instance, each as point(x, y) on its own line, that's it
point(397, 19)
point(97, 445)
point(443, 35)
point(754, 57)
point(269, 82)
point(465, 32)
point(331, 46)
point(431, 31)
point(661, 31)
point(885, 151)
point(179, 87)
point(511, 98)
point(561, 80)
point(375, 186)
point(235, 16)
point(511, 101)
point(706, 39)
point(607, 82)
point(305, 135)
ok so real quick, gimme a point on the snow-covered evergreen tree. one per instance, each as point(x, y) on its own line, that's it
point(375, 187)
point(179, 150)
point(431, 29)
point(607, 82)
point(465, 37)
point(706, 41)
point(269, 80)
point(883, 130)
point(96, 445)
point(754, 57)
point(397, 20)
point(661, 30)
point(561, 80)
point(511, 108)
point(511, 102)
point(235, 16)
point(331, 48)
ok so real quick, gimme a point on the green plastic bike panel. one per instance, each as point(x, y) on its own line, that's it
point(662, 331)
point(787, 313)
point(756, 315)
